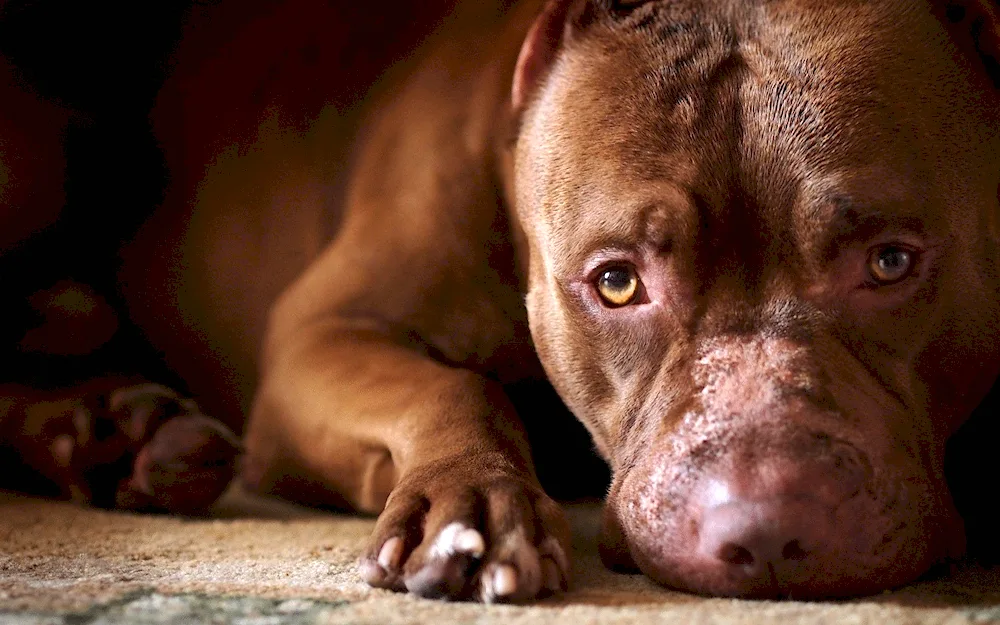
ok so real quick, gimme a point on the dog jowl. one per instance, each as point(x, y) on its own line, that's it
point(772, 296)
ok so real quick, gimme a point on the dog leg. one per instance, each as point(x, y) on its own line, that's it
point(360, 416)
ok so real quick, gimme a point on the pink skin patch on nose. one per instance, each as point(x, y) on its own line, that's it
point(739, 374)
point(717, 494)
point(737, 378)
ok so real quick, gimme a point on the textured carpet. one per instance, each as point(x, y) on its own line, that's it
point(262, 562)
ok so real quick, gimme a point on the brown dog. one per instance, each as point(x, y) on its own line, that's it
point(758, 246)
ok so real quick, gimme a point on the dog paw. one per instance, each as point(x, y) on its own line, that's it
point(458, 531)
point(185, 460)
point(136, 447)
point(183, 469)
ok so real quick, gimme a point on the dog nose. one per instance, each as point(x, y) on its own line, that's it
point(807, 519)
point(763, 541)
point(768, 523)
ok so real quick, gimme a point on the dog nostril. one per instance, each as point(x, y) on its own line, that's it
point(793, 551)
point(736, 555)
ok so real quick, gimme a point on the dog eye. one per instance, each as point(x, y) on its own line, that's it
point(890, 264)
point(618, 286)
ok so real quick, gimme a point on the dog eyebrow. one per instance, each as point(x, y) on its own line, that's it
point(851, 224)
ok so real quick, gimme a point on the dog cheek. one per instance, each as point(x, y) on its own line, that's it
point(569, 361)
point(959, 366)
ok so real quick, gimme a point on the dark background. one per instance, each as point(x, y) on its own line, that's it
point(104, 61)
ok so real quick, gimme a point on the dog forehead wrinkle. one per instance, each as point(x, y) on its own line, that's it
point(816, 93)
point(657, 85)
point(652, 79)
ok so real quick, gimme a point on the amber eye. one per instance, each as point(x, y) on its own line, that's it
point(890, 264)
point(618, 286)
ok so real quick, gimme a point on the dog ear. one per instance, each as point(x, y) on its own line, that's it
point(539, 50)
point(980, 20)
point(559, 20)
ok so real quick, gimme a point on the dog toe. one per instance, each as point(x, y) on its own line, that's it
point(497, 540)
point(444, 564)
point(184, 467)
point(526, 558)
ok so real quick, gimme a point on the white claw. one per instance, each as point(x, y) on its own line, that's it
point(504, 581)
point(122, 396)
point(551, 576)
point(81, 422)
point(551, 548)
point(62, 450)
point(470, 542)
point(457, 538)
point(391, 553)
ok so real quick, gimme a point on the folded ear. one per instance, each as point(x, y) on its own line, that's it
point(539, 50)
point(558, 22)
point(980, 21)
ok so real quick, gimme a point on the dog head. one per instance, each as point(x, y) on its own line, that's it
point(763, 272)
